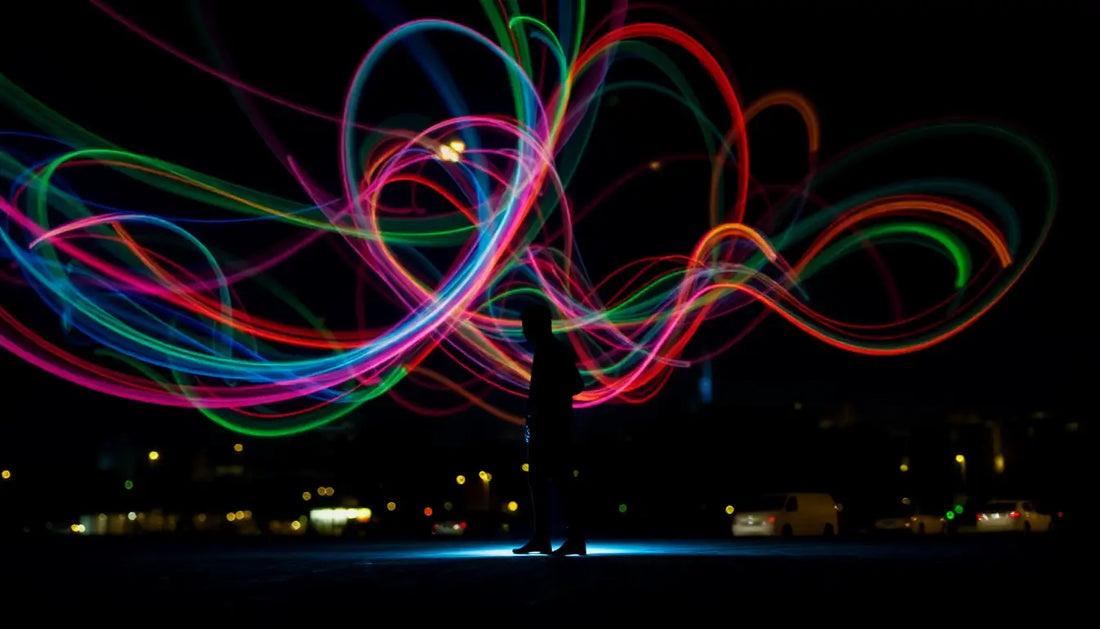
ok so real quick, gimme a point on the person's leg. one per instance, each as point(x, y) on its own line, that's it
point(538, 482)
point(569, 487)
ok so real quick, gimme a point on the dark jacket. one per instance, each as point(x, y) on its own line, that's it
point(555, 379)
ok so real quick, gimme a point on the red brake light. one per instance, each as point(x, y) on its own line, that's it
point(1014, 514)
point(1059, 514)
point(978, 516)
point(771, 519)
point(462, 525)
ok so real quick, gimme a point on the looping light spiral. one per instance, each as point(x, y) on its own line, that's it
point(163, 307)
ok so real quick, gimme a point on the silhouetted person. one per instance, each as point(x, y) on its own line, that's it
point(555, 379)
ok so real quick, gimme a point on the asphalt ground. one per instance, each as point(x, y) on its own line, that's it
point(450, 581)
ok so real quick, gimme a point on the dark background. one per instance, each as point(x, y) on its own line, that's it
point(867, 67)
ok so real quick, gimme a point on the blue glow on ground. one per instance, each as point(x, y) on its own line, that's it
point(466, 550)
point(594, 550)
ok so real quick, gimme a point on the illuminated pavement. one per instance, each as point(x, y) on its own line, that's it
point(267, 578)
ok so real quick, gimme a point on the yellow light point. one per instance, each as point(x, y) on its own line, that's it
point(238, 447)
point(295, 525)
point(240, 515)
point(5, 474)
point(75, 528)
point(960, 458)
point(999, 463)
point(457, 145)
point(729, 509)
point(513, 505)
point(525, 467)
point(330, 491)
point(231, 516)
point(576, 473)
point(484, 476)
point(448, 154)
point(903, 467)
point(460, 479)
point(655, 165)
point(306, 495)
point(154, 455)
point(321, 491)
point(391, 506)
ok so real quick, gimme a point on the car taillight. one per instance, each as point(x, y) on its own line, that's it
point(771, 519)
point(1014, 514)
point(978, 516)
point(462, 525)
point(1059, 514)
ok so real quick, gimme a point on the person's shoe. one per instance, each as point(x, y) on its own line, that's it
point(537, 546)
point(571, 547)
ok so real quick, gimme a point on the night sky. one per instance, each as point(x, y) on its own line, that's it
point(866, 70)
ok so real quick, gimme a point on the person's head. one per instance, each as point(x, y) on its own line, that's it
point(536, 323)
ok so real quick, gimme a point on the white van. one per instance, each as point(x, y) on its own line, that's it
point(787, 515)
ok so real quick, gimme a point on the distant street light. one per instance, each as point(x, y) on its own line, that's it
point(154, 455)
point(486, 477)
point(961, 460)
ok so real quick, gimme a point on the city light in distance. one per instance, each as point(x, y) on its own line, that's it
point(460, 479)
point(513, 505)
point(306, 496)
point(154, 455)
point(238, 447)
point(5, 474)
point(729, 509)
point(391, 506)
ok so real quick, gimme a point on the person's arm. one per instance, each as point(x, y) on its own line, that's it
point(576, 382)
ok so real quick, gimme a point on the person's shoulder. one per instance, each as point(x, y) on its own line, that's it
point(564, 349)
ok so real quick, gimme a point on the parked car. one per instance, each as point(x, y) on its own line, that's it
point(1020, 516)
point(448, 528)
point(787, 515)
point(911, 520)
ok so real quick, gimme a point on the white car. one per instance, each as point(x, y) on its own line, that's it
point(449, 528)
point(908, 521)
point(787, 515)
point(1020, 516)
